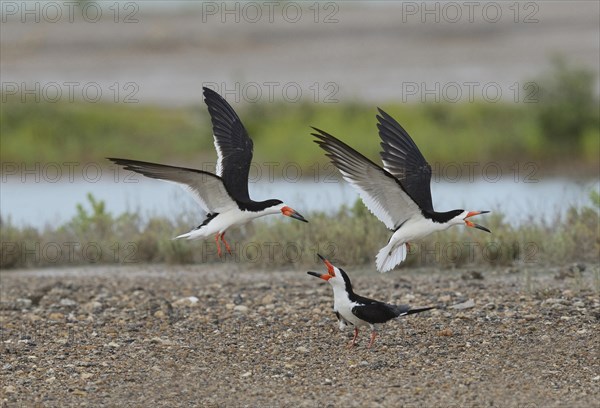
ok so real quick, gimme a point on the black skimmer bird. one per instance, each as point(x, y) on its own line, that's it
point(399, 194)
point(224, 196)
point(356, 310)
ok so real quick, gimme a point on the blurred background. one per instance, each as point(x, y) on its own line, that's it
point(501, 98)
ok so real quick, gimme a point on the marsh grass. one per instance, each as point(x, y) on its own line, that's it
point(351, 235)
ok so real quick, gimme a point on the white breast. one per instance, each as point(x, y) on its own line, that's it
point(224, 221)
point(415, 229)
point(343, 305)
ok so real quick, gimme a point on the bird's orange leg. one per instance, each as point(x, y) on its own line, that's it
point(352, 342)
point(373, 335)
point(226, 244)
point(218, 245)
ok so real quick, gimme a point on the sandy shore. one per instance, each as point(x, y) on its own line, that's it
point(105, 335)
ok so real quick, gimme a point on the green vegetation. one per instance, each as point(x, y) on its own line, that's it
point(352, 235)
point(560, 129)
point(88, 132)
point(568, 107)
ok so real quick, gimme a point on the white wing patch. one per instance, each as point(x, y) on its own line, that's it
point(382, 196)
point(219, 166)
point(372, 202)
point(197, 197)
point(220, 200)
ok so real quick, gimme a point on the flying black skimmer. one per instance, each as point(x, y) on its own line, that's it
point(399, 194)
point(224, 196)
point(356, 310)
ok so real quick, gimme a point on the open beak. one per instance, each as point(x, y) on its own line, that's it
point(290, 212)
point(472, 224)
point(330, 271)
point(324, 276)
point(328, 264)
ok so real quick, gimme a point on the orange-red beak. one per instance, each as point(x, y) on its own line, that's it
point(324, 276)
point(472, 224)
point(290, 212)
point(330, 270)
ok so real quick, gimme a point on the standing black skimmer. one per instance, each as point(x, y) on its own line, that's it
point(223, 196)
point(356, 310)
point(399, 194)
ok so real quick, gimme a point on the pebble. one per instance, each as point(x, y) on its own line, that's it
point(187, 301)
point(93, 307)
point(302, 349)
point(445, 333)
point(465, 305)
point(32, 317)
point(158, 340)
point(554, 301)
point(246, 374)
point(81, 393)
point(23, 303)
point(267, 300)
point(241, 308)
point(68, 302)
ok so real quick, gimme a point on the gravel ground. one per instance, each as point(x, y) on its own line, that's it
point(103, 336)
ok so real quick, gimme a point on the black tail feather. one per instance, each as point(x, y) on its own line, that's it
point(419, 310)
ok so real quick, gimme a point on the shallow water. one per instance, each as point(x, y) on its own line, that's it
point(43, 202)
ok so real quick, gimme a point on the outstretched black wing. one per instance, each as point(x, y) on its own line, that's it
point(234, 146)
point(207, 189)
point(402, 158)
point(381, 192)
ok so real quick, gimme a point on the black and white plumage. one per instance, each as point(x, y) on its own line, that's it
point(223, 196)
point(399, 194)
point(356, 310)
